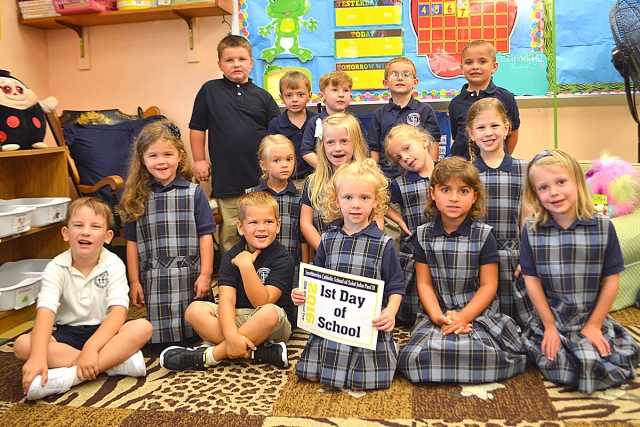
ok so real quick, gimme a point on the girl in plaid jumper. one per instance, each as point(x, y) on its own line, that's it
point(408, 147)
point(355, 195)
point(488, 127)
point(571, 262)
point(460, 336)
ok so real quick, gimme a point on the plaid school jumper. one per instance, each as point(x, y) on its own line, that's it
point(492, 351)
point(341, 365)
point(169, 251)
point(569, 265)
point(414, 199)
point(318, 222)
point(504, 186)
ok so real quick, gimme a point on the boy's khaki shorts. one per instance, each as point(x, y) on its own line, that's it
point(280, 333)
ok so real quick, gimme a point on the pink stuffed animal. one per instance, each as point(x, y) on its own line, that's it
point(616, 179)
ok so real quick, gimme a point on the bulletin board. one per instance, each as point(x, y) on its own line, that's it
point(360, 36)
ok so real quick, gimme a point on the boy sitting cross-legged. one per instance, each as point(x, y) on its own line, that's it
point(255, 312)
point(85, 293)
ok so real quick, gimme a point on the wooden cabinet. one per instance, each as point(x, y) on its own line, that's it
point(161, 13)
point(32, 173)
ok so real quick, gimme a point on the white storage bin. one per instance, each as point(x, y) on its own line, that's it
point(18, 289)
point(47, 209)
point(35, 265)
point(15, 219)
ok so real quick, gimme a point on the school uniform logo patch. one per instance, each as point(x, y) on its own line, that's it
point(101, 280)
point(263, 273)
point(413, 119)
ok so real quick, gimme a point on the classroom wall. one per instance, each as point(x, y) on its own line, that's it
point(145, 64)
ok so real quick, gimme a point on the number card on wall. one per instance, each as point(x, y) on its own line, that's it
point(339, 306)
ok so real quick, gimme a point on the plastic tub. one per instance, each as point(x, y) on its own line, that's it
point(15, 219)
point(35, 265)
point(47, 209)
point(18, 289)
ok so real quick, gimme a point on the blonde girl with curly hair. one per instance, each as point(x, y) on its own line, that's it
point(169, 231)
point(354, 197)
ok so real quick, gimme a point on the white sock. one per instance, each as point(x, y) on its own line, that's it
point(209, 360)
point(74, 370)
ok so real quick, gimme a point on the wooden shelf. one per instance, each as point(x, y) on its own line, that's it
point(161, 13)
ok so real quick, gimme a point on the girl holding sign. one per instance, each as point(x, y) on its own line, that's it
point(341, 143)
point(356, 194)
point(460, 336)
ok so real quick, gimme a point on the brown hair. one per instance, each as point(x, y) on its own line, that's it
point(335, 78)
point(233, 41)
point(584, 208)
point(366, 171)
point(136, 190)
point(295, 80)
point(266, 146)
point(457, 168)
point(402, 60)
point(482, 106)
point(257, 198)
point(480, 43)
point(98, 206)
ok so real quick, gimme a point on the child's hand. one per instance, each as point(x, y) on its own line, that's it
point(202, 170)
point(458, 324)
point(136, 295)
point(87, 363)
point(516, 273)
point(245, 257)
point(404, 228)
point(595, 337)
point(32, 368)
point(298, 297)
point(550, 343)
point(237, 347)
point(386, 321)
point(202, 287)
point(441, 320)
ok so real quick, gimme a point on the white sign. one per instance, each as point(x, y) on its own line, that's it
point(340, 306)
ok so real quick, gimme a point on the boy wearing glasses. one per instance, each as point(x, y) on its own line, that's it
point(400, 78)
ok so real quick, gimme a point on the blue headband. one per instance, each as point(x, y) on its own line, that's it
point(540, 155)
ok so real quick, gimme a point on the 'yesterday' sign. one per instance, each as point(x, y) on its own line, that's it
point(339, 306)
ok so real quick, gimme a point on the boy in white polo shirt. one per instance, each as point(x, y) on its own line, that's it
point(85, 294)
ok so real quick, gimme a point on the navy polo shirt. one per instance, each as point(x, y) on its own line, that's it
point(308, 144)
point(205, 224)
point(282, 125)
point(459, 107)
point(275, 267)
point(237, 117)
point(415, 113)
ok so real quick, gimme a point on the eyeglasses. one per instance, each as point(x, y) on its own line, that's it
point(404, 74)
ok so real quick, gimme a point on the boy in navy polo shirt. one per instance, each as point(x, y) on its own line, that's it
point(236, 113)
point(295, 92)
point(255, 311)
point(400, 78)
point(478, 65)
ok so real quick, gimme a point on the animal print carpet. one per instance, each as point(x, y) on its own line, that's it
point(242, 394)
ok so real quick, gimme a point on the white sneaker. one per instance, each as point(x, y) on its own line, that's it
point(132, 367)
point(60, 381)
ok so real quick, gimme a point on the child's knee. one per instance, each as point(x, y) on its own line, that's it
point(22, 347)
point(197, 312)
point(270, 315)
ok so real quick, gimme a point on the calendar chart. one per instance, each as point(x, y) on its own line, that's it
point(445, 27)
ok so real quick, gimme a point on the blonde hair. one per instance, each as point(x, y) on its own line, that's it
point(584, 208)
point(364, 171)
point(267, 145)
point(98, 206)
point(318, 180)
point(482, 106)
point(233, 41)
point(480, 43)
point(335, 78)
point(136, 190)
point(413, 133)
point(457, 168)
point(259, 199)
point(295, 80)
point(399, 60)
